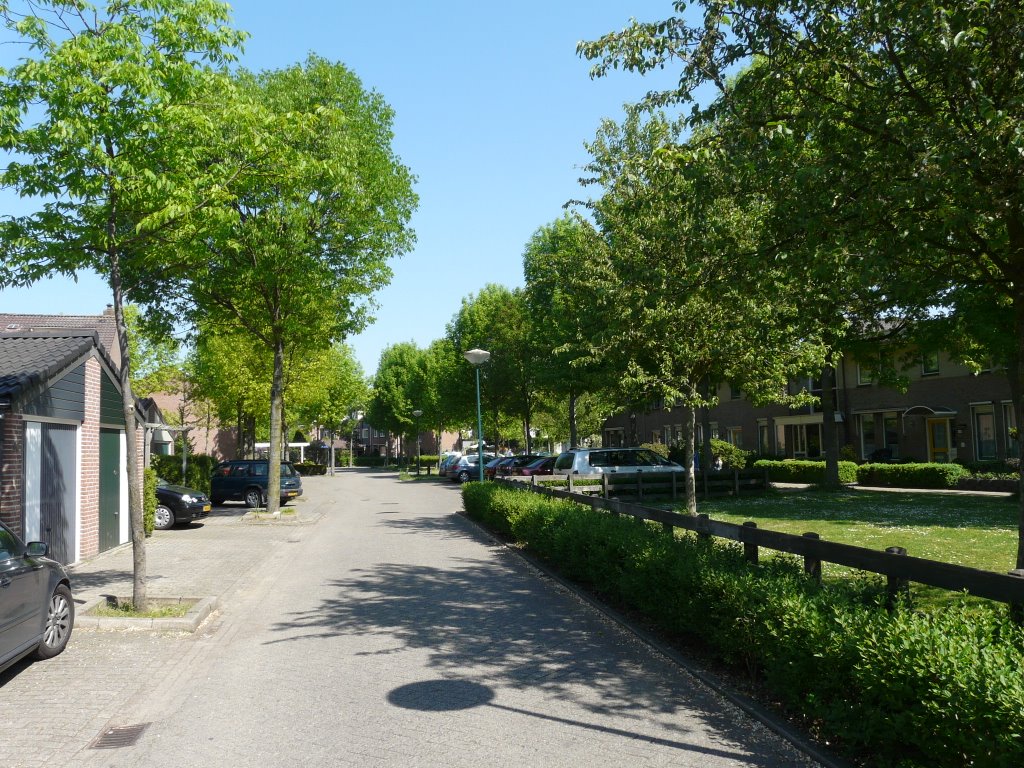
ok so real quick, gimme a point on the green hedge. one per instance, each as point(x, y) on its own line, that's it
point(798, 471)
point(148, 501)
point(305, 468)
point(200, 467)
point(902, 689)
point(912, 475)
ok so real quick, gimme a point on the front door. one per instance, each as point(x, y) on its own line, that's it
point(110, 488)
point(938, 440)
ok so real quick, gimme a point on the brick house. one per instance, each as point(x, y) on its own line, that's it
point(63, 460)
point(947, 413)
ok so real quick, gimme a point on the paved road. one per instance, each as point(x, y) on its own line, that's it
point(389, 633)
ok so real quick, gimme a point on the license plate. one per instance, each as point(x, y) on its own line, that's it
point(289, 493)
point(206, 507)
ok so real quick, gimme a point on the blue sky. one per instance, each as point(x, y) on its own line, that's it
point(493, 107)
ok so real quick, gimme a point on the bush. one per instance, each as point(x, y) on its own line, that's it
point(306, 468)
point(901, 689)
point(148, 501)
point(911, 475)
point(200, 467)
point(798, 471)
point(659, 448)
point(731, 456)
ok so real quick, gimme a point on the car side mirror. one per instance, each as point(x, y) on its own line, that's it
point(37, 549)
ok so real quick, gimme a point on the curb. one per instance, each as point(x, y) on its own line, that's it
point(767, 718)
point(203, 607)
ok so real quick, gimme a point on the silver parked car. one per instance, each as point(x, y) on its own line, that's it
point(597, 461)
point(466, 467)
point(37, 612)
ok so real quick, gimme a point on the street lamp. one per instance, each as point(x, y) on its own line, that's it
point(476, 358)
point(416, 415)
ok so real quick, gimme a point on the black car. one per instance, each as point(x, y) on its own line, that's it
point(246, 480)
point(37, 612)
point(178, 505)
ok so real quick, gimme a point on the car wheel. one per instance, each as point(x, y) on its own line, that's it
point(463, 476)
point(254, 498)
point(60, 618)
point(163, 518)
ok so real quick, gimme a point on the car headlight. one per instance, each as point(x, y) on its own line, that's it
point(188, 499)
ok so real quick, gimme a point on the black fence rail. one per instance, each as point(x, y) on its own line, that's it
point(893, 563)
point(728, 482)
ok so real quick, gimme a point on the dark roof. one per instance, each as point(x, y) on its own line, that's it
point(104, 326)
point(31, 359)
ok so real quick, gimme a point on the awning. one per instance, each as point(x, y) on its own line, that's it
point(927, 410)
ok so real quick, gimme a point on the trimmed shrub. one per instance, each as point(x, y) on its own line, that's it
point(902, 689)
point(911, 475)
point(306, 468)
point(148, 501)
point(731, 456)
point(197, 475)
point(659, 448)
point(798, 471)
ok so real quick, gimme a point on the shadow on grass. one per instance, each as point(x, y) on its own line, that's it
point(880, 508)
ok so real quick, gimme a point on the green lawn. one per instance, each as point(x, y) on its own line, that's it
point(976, 531)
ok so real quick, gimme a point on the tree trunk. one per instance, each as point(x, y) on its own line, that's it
point(828, 427)
point(276, 427)
point(136, 523)
point(689, 422)
point(240, 445)
point(1015, 370)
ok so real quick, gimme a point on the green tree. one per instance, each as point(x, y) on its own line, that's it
point(312, 224)
point(398, 389)
point(916, 109)
point(497, 320)
point(562, 313)
point(102, 116)
point(671, 279)
point(156, 356)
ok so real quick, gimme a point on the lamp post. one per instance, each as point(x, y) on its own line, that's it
point(416, 415)
point(476, 358)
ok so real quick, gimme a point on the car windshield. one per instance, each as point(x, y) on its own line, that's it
point(161, 483)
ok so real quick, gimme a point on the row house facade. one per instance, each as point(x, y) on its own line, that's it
point(947, 413)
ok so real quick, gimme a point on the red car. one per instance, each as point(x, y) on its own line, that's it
point(539, 466)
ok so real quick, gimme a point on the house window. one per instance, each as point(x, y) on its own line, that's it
point(891, 433)
point(984, 418)
point(806, 441)
point(656, 436)
point(735, 393)
point(734, 435)
point(863, 375)
point(929, 363)
point(1010, 425)
point(763, 439)
point(868, 442)
point(366, 433)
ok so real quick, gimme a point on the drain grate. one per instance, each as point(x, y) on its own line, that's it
point(121, 736)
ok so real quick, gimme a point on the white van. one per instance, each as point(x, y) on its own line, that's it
point(597, 461)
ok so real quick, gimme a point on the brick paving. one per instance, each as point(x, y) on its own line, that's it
point(387, 632)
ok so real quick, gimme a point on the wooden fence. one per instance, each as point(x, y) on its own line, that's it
point(893, 563)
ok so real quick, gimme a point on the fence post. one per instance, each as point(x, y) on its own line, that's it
point(1017, 609)
point(766, 481)
point(702, 526)
point(571, 487)
point(896, 584)
point(735, 481)
point(604, 485)
point(675, 495)
point(640, 485)
point(750, 548)
point(704, 482)
point(812, 565)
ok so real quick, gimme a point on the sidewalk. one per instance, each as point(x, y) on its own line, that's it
point(208, 558)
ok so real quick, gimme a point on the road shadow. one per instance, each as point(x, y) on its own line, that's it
point(493, 618)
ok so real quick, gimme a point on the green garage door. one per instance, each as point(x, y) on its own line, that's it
point(110, 488)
